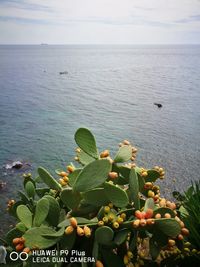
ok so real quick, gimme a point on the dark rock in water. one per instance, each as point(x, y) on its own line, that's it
point(158, 105)
point(17, 164)
point(63, 72)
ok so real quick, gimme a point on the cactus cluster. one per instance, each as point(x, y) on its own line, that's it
point(106, 205)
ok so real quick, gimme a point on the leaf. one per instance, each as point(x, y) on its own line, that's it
point(41, 211)
point(54, 211)
point(96, 197)
point(25, 216)
point(48, 179)
point(134, 189)
point(104, 235)
point(116, 195)
point(86, 141)
point(34, 237)
point(149, 204)
point(30, 189)
point(93, 175)
point(169, 227)
point(124, 154)
point(121, 236)
point(70, 198)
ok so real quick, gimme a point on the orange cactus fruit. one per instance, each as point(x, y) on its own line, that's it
point(158, 216)
point(104, 154)
point(167, 215)
point(63, 174)
point(171, 242)
point(16, 241)
point(138, 214)
point(70, 168)
point(19, 247)
point(150, 221)
point(143, 222)
point(113, 175)
point(149, 213)
point(184, 231)
point(73, 222)
point(99, 264)
point(27, 250)
point(126, 142)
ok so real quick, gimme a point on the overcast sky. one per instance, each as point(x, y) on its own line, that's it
point(99, 21)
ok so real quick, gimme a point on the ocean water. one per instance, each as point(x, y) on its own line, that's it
point(109, 89)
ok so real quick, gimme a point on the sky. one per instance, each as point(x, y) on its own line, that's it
point(100, 21)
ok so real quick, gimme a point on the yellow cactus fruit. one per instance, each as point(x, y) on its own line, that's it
point(120, 220)
point(150, 193)
point(106, 209)
point(167, 215)
point(87, 231)
point(171, 242)
point(66, 179)
point(69, 230)
point(130, 254)
point(126, 259)
point(116, 225)
point(105, 219)
point(158, 216)
point(80, 231)
point(126, 142)
point(100, 223)
point(136, 223)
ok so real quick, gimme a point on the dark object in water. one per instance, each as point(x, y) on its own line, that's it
point(158, 105)
point(63, 72)
point(17, 164)
point(2, 184)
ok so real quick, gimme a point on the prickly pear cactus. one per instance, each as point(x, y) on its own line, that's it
point(108, 205)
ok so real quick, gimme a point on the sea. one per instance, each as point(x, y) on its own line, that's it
point(110, 89)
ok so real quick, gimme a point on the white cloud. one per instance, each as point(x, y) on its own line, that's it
point(103, 21)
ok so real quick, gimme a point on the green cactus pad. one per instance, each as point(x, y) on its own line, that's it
point(41, 211)
point(169, 227)
point(59, 233)
point(21, 227)
point(116, 195)
point(70, 198)
point(34, 237)
point(121, 236)
point(96, 197)
point(124, 154)
point(104, 235)
point(93, 175)
point(134, 188)
point(41, 191)
point(152, 176)
point(84, 158)
point(72, 176)
point(48, 179)
point(149, 204)
point(86, 141)
point(67, 241)
point(25, 216)
point(54, 211)
point(30, 189)
point(111, 259)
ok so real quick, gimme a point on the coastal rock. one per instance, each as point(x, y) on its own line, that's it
point(17, 164)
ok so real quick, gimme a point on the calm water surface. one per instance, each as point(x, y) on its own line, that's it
point(109, 89)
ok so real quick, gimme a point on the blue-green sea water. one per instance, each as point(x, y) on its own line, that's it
point(109, 89)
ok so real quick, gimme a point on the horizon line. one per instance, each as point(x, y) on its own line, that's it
point(48, 44)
